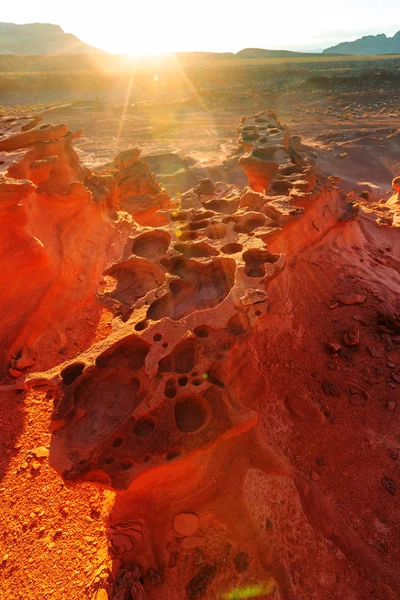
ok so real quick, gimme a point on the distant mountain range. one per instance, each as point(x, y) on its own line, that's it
point(369, 44)
point(40, 38)
point(245, 53)
point(44, 38)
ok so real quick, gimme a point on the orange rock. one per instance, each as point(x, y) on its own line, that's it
point(186, 523)
point(350, 299)
point(15, 372)
point(304, 411)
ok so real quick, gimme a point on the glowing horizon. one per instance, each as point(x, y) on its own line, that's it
point(166, 28)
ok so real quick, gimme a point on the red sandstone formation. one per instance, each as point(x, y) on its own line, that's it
point(60, 229)
point(171, 409)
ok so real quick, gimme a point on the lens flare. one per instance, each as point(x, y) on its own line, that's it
point(251, 591)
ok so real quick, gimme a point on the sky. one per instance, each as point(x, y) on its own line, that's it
point(157, 26)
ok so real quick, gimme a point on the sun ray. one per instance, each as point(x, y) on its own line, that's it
point(128, 94)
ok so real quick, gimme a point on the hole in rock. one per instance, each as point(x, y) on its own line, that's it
point(72, 372)
point(157, 337)
point(232, 248)
point(255, 260)
point(135, 277)
point(182, 381)
point(205, 215)
point(117, 442)
point(247, 224)
point(165, 345)
point(255, 271)
point(223, 206)
point(173, 454)
point(152, 244)
point(196, 250)
point(201, 286)
point(144, 427)
point(191, 414)
point(170, 390)
point(258, 313)
point(195, 225)
point(188, 236)
point(109, 460)
point(127, 464)
point(197, 382)
point(141, 325)
point(130, 353)
point(181, 360)
point(108, 399)
point(258, 256)
point(201, 331)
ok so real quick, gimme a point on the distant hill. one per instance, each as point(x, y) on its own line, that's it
point(188, 56)
point(261, 53)
point(369, 44)
point(40, 38)
point(245, 53)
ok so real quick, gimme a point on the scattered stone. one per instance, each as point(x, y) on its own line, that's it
point(186, 523)
point(40, 452)
point(24, 361)
point(333, 305)
point(390, 404)
point(350, 299)
point(352, 336)
point(304, 411)
point(332, 347)
point(396, 376)
point(35, 465)
point(314, 476)
point(389, 485)
point(387, 342)
point(14, 372)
